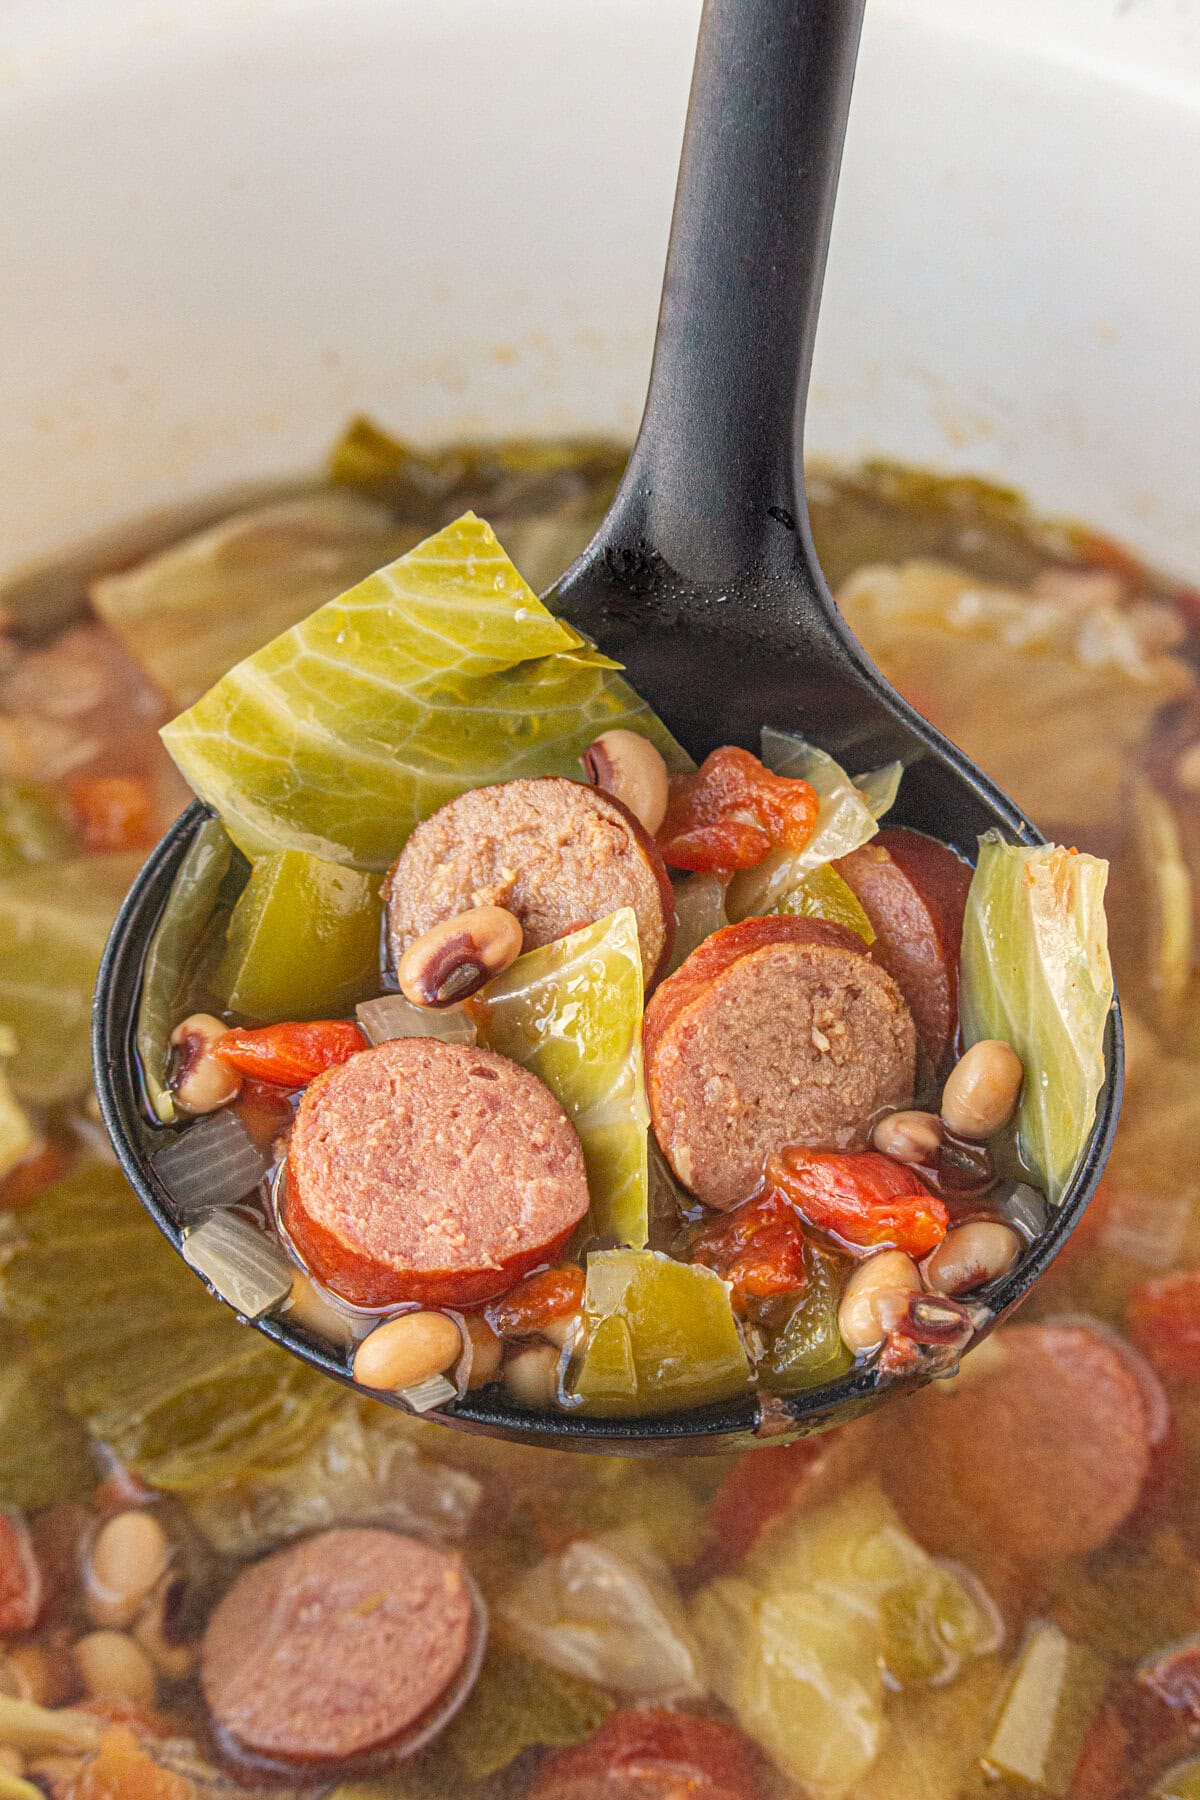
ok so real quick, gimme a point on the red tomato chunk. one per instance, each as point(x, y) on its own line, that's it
point(536, 1302)
point(732, 812)
point(863, 1200)
point(758, 1249)
point(290, 1055)
point(112, 812)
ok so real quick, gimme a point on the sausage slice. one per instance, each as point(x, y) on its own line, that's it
point(914, 891)
point(346, 1648)
point(1038, 1450)
point(433, 1172)
point(775, 1031)
point(552, 851)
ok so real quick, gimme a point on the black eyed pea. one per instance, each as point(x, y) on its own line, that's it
point(129, 1558)
point(981, 1090)
point(909, 1137)
point(875, 1299)
point(172, 1656)
point(407, 1350)
point(112, 1667)
point(971, 1255)
point(200, 1081)
point(631, 769)
point(531, 1377)
point(453, 960)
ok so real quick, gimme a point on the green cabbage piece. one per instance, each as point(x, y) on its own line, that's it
point(195, 609)
point(571, 1012)
point(178, 1389)
point(516, 1704)
point(1036, 972)
point(439, 673)
point(54, 919)
point(44, 1456)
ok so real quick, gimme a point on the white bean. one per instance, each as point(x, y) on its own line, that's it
point(200, 1081)
point(487, 1350)
point(128, 1560)
point(407, 1350)
point(631, 769)
point(875, 1299)
point(531, 1377)
point(980, 1251)
point(113, 1667)
point(981, 1090)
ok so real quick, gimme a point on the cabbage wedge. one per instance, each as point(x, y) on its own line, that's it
point(440, 672)
point(571, 1012)
point(1036, 972)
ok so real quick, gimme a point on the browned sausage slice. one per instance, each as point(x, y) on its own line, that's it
point(914, 890)
point(554, 852)
point(340, 1649)
point(1037, 1450)
point(775, 1031)
point(431, 1172)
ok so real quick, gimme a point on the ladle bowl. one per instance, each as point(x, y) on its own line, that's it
point(704, 582)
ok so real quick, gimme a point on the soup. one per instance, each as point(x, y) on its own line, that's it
point(209, 1556)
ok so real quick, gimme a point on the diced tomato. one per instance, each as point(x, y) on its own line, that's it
point(123, 1770)
point(264, 1110)
point(112, 812)
point(732, 812)
point(1103, 1761)
point(538, 1301)
point(290, 1055)
point(1164, 1321)
point(758, 1249)
point(863, 1200)
point(43, 1166)
point(767, 1486)
point(655, 1755)
point(22, 1590)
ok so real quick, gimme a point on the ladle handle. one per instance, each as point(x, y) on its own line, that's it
point(715, 471)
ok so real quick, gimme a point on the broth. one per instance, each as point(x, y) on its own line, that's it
point(994, 1582)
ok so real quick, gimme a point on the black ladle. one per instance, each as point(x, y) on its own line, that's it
point(703, 580)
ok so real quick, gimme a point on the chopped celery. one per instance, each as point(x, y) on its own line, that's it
point(808, 1349)
point(516, 1705)
point(34, 827)
point(172, 955)
point(1052, 1697)
point(606, 1609)
point(192, 611)
point(661, 1334)
point(303, 942)
point(699, 911)
point(824, 895)
point(572, 1013)
point(1036, 972)
point(194, 1406)
point(54, 919)
point(933, 1739)
point(44, 1456)
point(441, 672)
point(844, 822)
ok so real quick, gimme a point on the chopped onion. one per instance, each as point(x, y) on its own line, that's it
point(879, 787)
point(242, 1264)
point(392, 1016)
point(428, 1395)
point(214, 1163)
point(1022, 1207)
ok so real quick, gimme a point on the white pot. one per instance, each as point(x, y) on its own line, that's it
point(225, 225)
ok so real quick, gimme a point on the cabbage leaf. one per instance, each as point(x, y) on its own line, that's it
point(1036, 972)
point(571, 1012)
point(439, 673)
